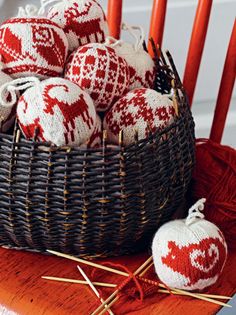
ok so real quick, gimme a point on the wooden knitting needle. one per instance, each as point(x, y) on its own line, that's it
point(89, 263)
point(93, 288)
point(201, 294)
point(113, 295)
point(100, 284)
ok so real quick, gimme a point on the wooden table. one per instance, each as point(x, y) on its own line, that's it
point(23, 292)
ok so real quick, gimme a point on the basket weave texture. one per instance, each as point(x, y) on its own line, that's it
point(96, 202)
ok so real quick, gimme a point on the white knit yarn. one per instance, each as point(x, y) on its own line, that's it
point(63, 113)
point(83, 21)
point(139, 111)
point(142, 67)
point(189, 254)
point(32, 46)
point(100, 72)
point(95, 140)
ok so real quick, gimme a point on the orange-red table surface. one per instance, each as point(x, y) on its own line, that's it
point(23, 292)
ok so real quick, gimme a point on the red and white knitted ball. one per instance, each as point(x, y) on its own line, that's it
point(83, 21)
point(32, 46)
point(95, 140)
point(100, 71)
point(140, 111)
point(189, 254)
point(142, 67)
point(7, 110)
point(63, 113)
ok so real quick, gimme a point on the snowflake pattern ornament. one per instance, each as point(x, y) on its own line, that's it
point(32, 46)
point(60, 111)
point(189, 254)
point(141, 110)
point(100, 72)
point(83, 21)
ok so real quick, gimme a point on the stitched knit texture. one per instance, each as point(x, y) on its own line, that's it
point(141, 110)
point(32, 46)
point(189, 256)
point(141, 65)
point(99, 71)
point(95, 140)
point(7, 113)
point(82, 20)
point(63, 113)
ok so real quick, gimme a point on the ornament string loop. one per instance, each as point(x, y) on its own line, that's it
point(195, 212)
point(45, 3)
point(113, 42)
point(29, 11)
point(139, 39)
point(12, 88)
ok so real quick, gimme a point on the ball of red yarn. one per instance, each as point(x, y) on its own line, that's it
point(214, 178)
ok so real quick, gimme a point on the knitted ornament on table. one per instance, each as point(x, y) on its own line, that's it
point(215, 177)
point(189, 254)
point(100, 72)
point(83, 21)
point(32, 46)
point(141, 65)
point(60, 111)
point(7, 112)
point(139, 111)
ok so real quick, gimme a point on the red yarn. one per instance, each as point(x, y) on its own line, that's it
point(214, 178)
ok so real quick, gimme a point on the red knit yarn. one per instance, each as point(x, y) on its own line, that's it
point(214, 178)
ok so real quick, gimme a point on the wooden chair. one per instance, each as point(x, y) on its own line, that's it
point(23, 292)
point(194, 57)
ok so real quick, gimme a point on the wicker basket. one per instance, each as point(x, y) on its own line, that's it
point(96, 202)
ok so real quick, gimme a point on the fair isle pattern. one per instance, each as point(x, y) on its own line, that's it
point(62, 112)
point(83, 21)
point(189, 257)
point(101, 72)
point(142, 67)
point(33, 46)
point(141, 110)
point(7, 114)
point(95, 140)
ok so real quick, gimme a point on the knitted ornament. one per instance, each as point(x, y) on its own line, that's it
point(32, 46)
point(83, 21)
point(189, 254)
point(139, 111)
point(215, 177)
point(141, 65)
point(100, 71)
point(7, 112)
point(96, 137)
point(62, 113)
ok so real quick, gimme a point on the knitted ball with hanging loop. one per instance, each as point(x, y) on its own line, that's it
point(189, 254)
point(32, 45)
point(141, 65)
point(83, 21)
point(100, 72)
point(55, 110)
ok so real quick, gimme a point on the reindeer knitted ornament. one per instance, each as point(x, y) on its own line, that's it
point(55, 110)
point(189, 254)
point(95, 140)
point(7, 108)
point(139, 111)
point(32, 46)
point(100, 72)
point(83, 21)
point(141, 65)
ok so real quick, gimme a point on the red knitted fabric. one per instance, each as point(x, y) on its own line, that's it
point(32, 46)
point(215, 179)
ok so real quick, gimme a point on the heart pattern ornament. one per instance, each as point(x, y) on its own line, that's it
point(32, 46)
point(189, 254)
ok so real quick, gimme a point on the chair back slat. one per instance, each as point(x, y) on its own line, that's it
point(225, 90)
point(196, 46)
point(114, 17)
point(157, 23)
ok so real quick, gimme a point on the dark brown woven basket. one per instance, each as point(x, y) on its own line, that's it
point(96, 202)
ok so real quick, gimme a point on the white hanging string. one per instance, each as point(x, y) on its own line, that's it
point(113, 42)
point(14, 86)
point(195, 212)
point(28, 11)
point(139, 39)
point(45, 3)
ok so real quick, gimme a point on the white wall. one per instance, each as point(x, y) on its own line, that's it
point(179, 20)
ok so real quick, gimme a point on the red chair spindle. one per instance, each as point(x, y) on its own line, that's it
point(114, 17)
point(157, 23)
point(196, 46)
point(225, 90)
